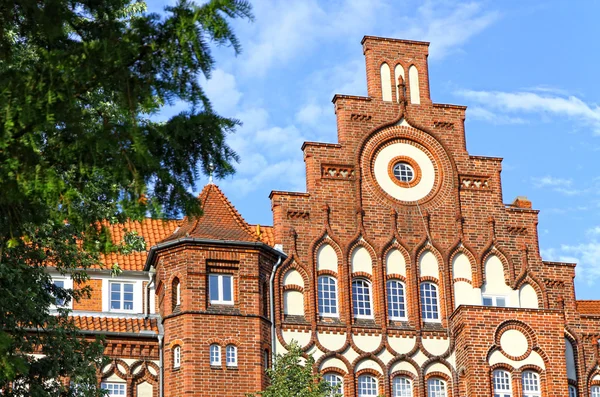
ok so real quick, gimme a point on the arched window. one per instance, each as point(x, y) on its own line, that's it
point(502, 384)
point(572, 391)
point(436, 387)
point(336, 382)
point(361, 298)
point(429, 302)
point(266, 358)
point(595, 391)
point(176, 292)
point(531, 384)
point(396, 303)
point(231, 356)
point(367, 386)
point(327, 296)
point(215, 354)
point(401, 387)
point(177, 357)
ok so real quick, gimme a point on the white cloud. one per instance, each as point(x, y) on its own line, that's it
point(479, 113)
point(551, 181)
point(222, 90)
point(310, 114)
point(446, 25)
point(535, 103)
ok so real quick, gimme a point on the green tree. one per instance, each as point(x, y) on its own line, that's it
point(293, 376)
point(81, 82)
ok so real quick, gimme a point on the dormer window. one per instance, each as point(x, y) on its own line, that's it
point(121, 296)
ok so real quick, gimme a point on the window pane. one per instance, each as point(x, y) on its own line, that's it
point(429, 301)
point(227, 288)
point(115, 296)
point(401, 387)
point(436, 388)
point(572, 391)
point(213, 287)
point(114, 389)
point(500, 302)
point(327, 296)
point(231, 355)
point(59, 284)
point(488, 302)
point(361, 298)
point(531, 384)
point(336, 383)
point(367, 386)
point(595, 391)
point(396, 306)
point(502, 384)
point(215, 355)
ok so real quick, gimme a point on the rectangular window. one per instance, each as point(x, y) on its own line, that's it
point(215, 355)
point(497, 301)
point(429, 302)
point(114, 389)
point(59, 284)
point(220, 289)
point(121, 296)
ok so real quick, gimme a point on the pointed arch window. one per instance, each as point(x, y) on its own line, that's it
point(361, 298)
point(327, 296)
point(396, 300)
point(429, 302)
point(572, 391)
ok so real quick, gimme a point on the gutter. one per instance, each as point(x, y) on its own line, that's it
point(195, 240)
point(161, 334)
point(272, 308)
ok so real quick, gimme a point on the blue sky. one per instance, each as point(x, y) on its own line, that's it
point(527, 70)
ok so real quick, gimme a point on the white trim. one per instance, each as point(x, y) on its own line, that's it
point(217, 361)
point(138, 293)
point(337, 293)
point(370, 285)
point(68, 284)
point(437, 293)
point(387, 299)
point(177, 356)
point(234, 363)
point(494, 299)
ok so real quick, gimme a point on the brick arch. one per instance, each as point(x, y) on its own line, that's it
point(493, 249)
point(462, 248)
point(114, 369)
point(145, 373)
point(399, 359)
point(324, 239)
point(147, 377)
point(504, 367)
point(530, 278)
point(395, 243)
point(170, 296)
point(541, 373)
point(381, 380)
point(337, 355)
point(292, 264)
point(451, 387)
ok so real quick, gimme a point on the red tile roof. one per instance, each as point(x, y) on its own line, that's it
point(588, 306)
point(265, 234)
point(219, 220)
point(112, 324)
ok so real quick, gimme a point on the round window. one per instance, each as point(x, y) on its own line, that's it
point(404, 172)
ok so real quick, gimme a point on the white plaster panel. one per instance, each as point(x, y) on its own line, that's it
point(435, 346)
point(514, 342)
point(419, 358)
point(293, 277)
point(152, 370)
point(533, 359)
point(368, 364)
point(293, 303)
point(350, 354)
point(386, 84)
point(327, 258)
point(596, 377)
point(113, 378)
point(144, 389)
point(384, 180)
point(570, 358)
point(299, 336)
point(106, 368)
point(315, 352)
point(385, 356)
point(130, 361)
point(413, 78)
point(331, 342)
point(465, 294)
point(438, 367)
point(452, 360)
point(428, 265)
point(461, 267)
point(398, 71)
point(395, 263)
point(367, 343)
point(279, 349)
point(361, 261)
point(121, 368)
point(403, 366)
point(137, 369)
point(333, 363)
point(401, 344)
point(528, 297)
point(494, 276)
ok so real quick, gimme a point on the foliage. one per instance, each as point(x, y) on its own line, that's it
point(293, 376)
point(81, 83)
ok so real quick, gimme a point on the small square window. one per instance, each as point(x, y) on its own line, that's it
point(220, 289)
point(495, 301)
point(121, 296)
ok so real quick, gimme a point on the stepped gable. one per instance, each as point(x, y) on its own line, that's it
point(219, 220)
point(153, 231)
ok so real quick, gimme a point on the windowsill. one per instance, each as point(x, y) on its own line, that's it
point(177, 368)
point(330, 320)
point(223, 309)
point(213, 366)
point(433, 326)
point(232, 367)
point(294, 319)
point(400, 324)
point(364, 322)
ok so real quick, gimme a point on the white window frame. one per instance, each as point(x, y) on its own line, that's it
point(387, 290)
point(536, 378)
point(361, 393)
point(572, 391)
point(135, 297)
point(220, 282)
point(595, 391)
point(501, 377)
point(370, 289)
point(110, 386)
point(436, 288)
point(322, 313)
point(494, 299)
point(178, 293)
point(440, 384)
point(177, 357)
point(215, 355)
point(334, 380)
point(402, 392)
point(229, 361)
point(67, 284)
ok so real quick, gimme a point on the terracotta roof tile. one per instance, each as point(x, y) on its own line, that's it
point(112, 324)
point(264, 233)
point(588, 306)
point(219, 220)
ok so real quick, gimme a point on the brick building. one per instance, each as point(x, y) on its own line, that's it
point(399, 269)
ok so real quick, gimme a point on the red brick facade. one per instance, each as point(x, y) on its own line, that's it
point(446, 233)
